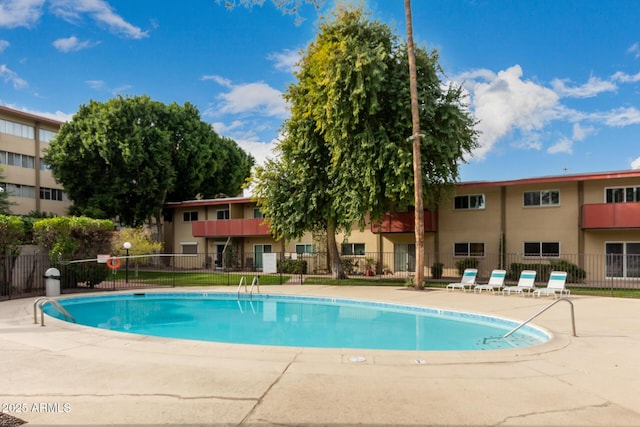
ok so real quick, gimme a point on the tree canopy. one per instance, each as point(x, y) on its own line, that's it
point(126, 157)
point(346, 152)
point(5, 204)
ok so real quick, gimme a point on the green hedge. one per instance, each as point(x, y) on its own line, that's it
point(463, 264)
point(292, 266)
point(575, 274)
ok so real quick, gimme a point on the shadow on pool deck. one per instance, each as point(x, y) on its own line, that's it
point(69, 374)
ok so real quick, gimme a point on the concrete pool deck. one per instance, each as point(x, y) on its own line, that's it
point(65, 374)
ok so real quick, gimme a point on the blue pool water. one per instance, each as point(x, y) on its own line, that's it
point(296, 321)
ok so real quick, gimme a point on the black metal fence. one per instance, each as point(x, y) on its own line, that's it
point(23, 276)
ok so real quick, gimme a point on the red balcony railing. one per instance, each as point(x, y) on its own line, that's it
point(230, 227)
point(404, 222)
point(611, 215)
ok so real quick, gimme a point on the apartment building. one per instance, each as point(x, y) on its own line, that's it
point(591, 220)
point(27, 179)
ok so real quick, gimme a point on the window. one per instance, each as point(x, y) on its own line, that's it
point(17, 129)
point(542, 249)
point(52, 194)
point(17, 190)
point(542, 198)
point(622, 195)
point(16, 159)
point(189, 248)
point(471, 201)
point(468, 249)
point(622, 259)
point(304, 248)
point(46, 135)
point(353, 249)
point(222, 214)
point(190, 216)
point(257, 213)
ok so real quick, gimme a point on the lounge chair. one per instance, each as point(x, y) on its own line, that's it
point(496, 281)
point(555, 286)
point(468, 280)
point(526, 283)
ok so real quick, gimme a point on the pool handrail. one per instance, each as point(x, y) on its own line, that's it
point(243, 281)
point(573, 319)
point(41, 302)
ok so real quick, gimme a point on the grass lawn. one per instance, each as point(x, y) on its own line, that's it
point(162, 278)
point(176, 278)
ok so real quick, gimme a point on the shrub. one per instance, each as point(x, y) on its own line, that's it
point(436, 270)
point(466, 263)
point(73, 238)
point(292, 266)
point(542, 270)
point(575, 274)
point(349, 265)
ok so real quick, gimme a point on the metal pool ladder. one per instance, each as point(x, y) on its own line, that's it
point(573, 319)
point(39, 303)
point(255, 282)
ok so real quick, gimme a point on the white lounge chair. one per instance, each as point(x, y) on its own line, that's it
point(468, 280)
point(496, 281)
point(526, 283)
point(555, 286)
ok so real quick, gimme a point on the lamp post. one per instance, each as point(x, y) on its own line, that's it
point(127, 246)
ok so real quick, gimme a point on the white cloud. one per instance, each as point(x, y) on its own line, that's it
point(626, 78)
point(580, 132)
point(95, 84)
point(100, 85)
point(619, 117)
point(590, 89)
point(635, 164)
point(634, 49)
point(248, 99)
point(222, 81)
point(251, 98)
point(564, 145)
point(72, 10)
point(285, 60)
point(259, 150)
point(3, 45)
point(484, 74)
point(72, 44)
point(224, 129)
point(26, 13)
point(12, 77)
point(506, 102)
point(20, 13)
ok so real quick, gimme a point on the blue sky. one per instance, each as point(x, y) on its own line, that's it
point(554, 84)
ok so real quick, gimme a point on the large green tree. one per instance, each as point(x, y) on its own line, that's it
point(346, 153)
point(124, 158)
point(292, 7)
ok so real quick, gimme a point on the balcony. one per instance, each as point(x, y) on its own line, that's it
point(230, 228)
point(404, 222)
point(611, 216)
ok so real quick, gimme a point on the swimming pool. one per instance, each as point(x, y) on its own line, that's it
point(278, 320)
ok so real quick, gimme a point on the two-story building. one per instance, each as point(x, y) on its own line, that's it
point(27, 179)
point(590, 220)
